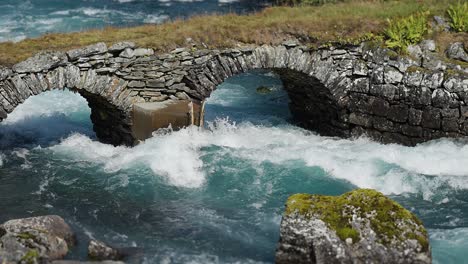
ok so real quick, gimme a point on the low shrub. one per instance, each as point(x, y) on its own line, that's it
point(458, 14)
point(403, 32)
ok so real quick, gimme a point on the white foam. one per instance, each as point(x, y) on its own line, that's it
point(1, 159)
point(177, 156)
point(156, 19)
point(23, 154)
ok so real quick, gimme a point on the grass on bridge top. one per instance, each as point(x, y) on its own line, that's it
point(347, 21)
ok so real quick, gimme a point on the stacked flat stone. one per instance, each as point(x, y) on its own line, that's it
point(349, 91)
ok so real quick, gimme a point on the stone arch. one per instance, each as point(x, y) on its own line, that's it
point(313, 104)
point(338, 91)
point(353, 90)
point(110, 112)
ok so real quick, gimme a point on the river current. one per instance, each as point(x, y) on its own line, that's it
point(211, 195)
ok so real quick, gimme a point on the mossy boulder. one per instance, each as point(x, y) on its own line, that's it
point(361, 226)
point(35, 240)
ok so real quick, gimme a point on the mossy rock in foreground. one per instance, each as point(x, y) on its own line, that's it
point(361, 226)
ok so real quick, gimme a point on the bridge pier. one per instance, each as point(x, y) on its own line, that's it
point(176, 114)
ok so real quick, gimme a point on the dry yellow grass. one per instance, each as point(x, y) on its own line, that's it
point(348, 21)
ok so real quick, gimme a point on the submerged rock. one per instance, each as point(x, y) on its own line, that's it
point(35, 239)
point(264, 90)
point(362, 226)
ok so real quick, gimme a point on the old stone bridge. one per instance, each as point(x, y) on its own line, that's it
point(347, 91)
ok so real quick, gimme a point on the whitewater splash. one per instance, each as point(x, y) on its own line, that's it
point(391, 169)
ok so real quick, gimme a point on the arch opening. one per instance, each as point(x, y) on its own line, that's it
point(45, 119)
point(256, 96)
point(295, 98)
point(110, 124)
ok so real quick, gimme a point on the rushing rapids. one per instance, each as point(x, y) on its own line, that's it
point(214, 195)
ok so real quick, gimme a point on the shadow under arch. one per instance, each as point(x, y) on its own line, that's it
point(312, 105)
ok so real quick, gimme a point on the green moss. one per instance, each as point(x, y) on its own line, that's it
point(347, 232)
point(31, 256)
point(463, 64)
point(26, 235)
point(337, 213)
point(453, 72)
point(393, 55)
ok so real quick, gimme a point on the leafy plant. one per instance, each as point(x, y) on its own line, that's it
point(458, 14)
point(406, 31)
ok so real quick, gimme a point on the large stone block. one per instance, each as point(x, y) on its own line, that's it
point(431, 118)
point(176, 114)
point(398, 113)
point(42, 61)
point(347, 229)
point(87, 51)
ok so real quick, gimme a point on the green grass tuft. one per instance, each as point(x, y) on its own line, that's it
point(458, 14)
point(343, 22)
point(406, 31)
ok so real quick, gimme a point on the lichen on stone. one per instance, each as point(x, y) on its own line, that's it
point(30, 257)
point(390, 221)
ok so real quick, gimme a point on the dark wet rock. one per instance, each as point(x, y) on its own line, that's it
point(457, 51)
point(264, 90)
point(98, 250)
point(35, 239)
point(362, 226)
point(90, 50)
point(42, 61)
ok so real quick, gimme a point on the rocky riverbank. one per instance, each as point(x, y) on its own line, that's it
point(47, 239)
point(361, 226)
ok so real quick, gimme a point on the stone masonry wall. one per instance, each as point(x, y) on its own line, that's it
point(347, 91)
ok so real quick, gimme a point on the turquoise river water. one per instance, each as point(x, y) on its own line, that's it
point(214, 195)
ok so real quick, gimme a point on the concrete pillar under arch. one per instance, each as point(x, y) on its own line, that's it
point(177, 114)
